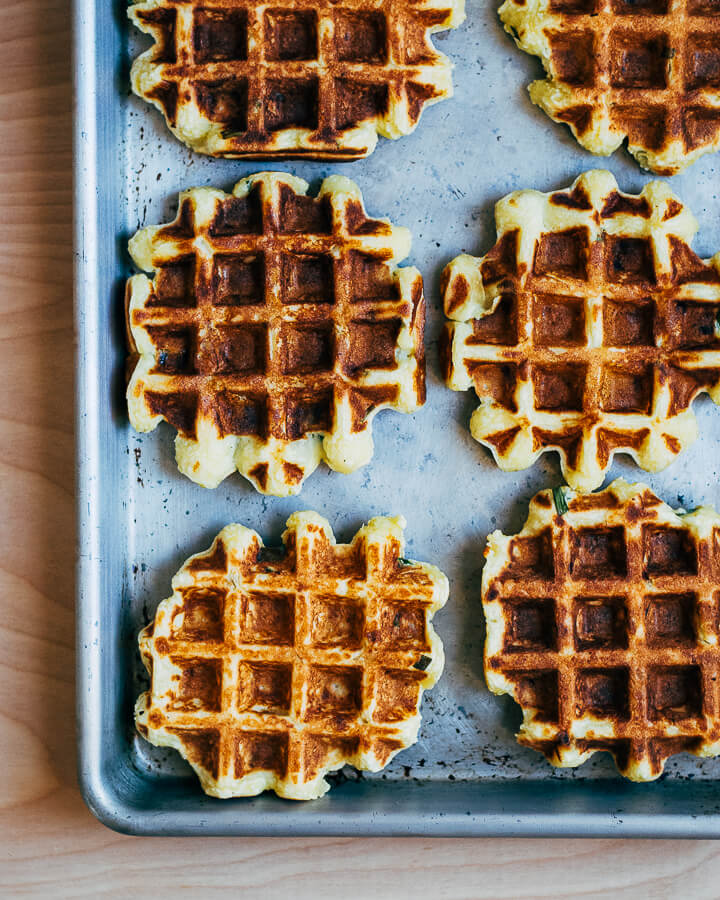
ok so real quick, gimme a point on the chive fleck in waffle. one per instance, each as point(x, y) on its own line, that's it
point(643, 70)
point(300, 78)
point(274, 327)
point(602, 623)
point(589, 328)
point(270, 668)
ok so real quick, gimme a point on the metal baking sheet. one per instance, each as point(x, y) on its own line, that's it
point(139, 518)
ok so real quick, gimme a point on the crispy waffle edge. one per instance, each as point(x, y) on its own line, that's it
point(648, 68)
point(208, 456)
point(664, 649)
point(236, 547)
point(159, 73)
point(473, 288)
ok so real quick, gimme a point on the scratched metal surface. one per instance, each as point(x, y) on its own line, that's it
point(140, 518)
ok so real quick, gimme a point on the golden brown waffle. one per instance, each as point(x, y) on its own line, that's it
point(645, 70)
point(302, 78)
point(271, 668)
point(602, 623)
point(275, 327)
point(589, 328)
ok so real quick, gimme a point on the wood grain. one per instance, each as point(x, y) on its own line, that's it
point(51, 845)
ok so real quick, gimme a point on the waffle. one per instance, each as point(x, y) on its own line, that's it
point(602, 623)
point(320, 80)
point(589, 328)
point(275, 327)
point(271, 668)
point(643, 70)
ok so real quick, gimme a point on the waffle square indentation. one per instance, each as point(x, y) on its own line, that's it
point(573, 7)
point(267, 618)
point(361, 36)
point(201, 747)
point(263, 751)
point(628, 324)
point(598, 553)
point(309, 412)
point(402, 627)
point(499, 326)
point(645, 126)
point(307, 278)
point(573, 55)
point(238, 216)
point(496, 380)
point(539, 691)
point(238, 280)
point(694, 325)
point(357, 101)
point(629, 260)
point(702, 62)
point(265, 687)
point(532, 556)
point(224, 101)
point(336, 622)
point(670, 620)
point(562, 253)
point(308, 348)
point(372, 344)
point(175, 284)
point(291, 103)
point(396, 694)
point(559, 387)
point(668, 551)
point(703, 8)
point(558, 321)
point(627, 390)
point(640, 7)
point(700, 125)
point(203, 615)
point(334, 690)
point(603, 693)
point(291, 34)
point(600, 623)
point(199, 686)
point(674, 692)
point(370, 278)
point(638, 62)
point(532, 625)
point(178, 408)
point(174, 349)
point(324, 751)
point(241, 413)
point(235, 350)
point(298, 214)
point(164, 23)
point(219, 35)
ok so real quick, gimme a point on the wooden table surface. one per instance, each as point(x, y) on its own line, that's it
point(51, 844)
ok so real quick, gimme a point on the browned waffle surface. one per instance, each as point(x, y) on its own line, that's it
point(270, 668)
point(239, 78)
point(589, 328)
point(602, 623)
point(276, 325)
point(646, 71)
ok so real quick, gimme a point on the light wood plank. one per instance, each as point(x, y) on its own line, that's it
point(51, 845)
